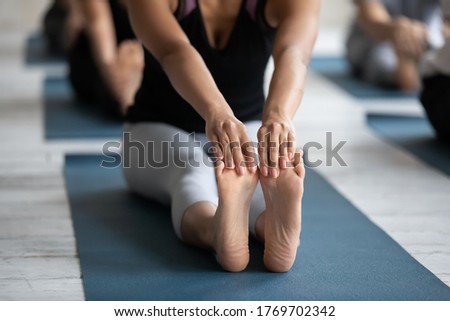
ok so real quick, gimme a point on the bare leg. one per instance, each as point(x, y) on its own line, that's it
point(223, 229)
point(130, 62)
point(197, 226)
point(279, 226)
point(407, 74)
point(446, 28)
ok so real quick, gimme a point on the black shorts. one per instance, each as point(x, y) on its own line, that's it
point(435, 99)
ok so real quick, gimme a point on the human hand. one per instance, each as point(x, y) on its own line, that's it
point(115, 78)
point(231, 143)
point(123, 74)
point(276, 146)
point(409, 37)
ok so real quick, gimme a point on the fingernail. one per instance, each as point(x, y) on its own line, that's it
point(291, 155)
point(283, 163)
point(264, 171)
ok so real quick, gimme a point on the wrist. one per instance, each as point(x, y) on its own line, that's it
point(274, 113)
point(219, 112)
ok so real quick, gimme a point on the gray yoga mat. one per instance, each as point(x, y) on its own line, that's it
point(67, 118)
point(415, 135)
point(37, 53)
point(128, 250)
point(337, 70)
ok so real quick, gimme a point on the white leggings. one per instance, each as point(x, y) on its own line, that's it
point(175, 170)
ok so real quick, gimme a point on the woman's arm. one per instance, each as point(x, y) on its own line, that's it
point(159, 31)
point(101, 31)
point(297, 26)
point(375, 19)
point(408, 36)
point(74, 22)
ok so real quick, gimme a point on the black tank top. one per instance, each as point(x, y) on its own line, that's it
point(238, 69)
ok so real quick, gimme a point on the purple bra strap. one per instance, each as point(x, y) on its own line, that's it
point(251, 8)
point(189, 6)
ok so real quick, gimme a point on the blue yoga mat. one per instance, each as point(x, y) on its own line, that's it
point(67, 118)
point(337, 70)
point(128, 250)
point(36, 52)
point(415, 135)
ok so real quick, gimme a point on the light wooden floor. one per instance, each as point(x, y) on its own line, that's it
point(38, 259)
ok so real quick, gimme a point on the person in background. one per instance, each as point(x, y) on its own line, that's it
point(62, 23)
point(106, 60)
point(390, 37)
point(435, 96)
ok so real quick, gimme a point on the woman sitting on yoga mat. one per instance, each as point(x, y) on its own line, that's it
point(435, 95)
point(389, 39)
point(106, 60)
point(203, 79)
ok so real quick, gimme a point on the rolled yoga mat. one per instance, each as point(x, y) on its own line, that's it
point(37, 52)
point(415, 135)
point(337, 70)
point(128, 250)
point(67, 118)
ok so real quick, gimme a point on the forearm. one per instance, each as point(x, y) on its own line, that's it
point(287, 85)
point(293, 46)
point(185, 68)
point(375, 20)
point(192, 80)
point(101, 31)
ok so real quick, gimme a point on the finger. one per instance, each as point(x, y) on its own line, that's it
point(274, 148)
point(219, 167)
point(408, 47)
point(263, 151)
point(238, 157)
point(283, 150)
point(243, 141)
point(216, 148)
point(250, 156)
point(417, 44)
point(298, 163)
point(291, 145)
point(228, 155)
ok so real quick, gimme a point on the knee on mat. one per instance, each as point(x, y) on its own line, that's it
point(380, 66)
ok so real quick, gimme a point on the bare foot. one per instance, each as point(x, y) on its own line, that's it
point(130, 62)
point(280, 224)
point(231, 219)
